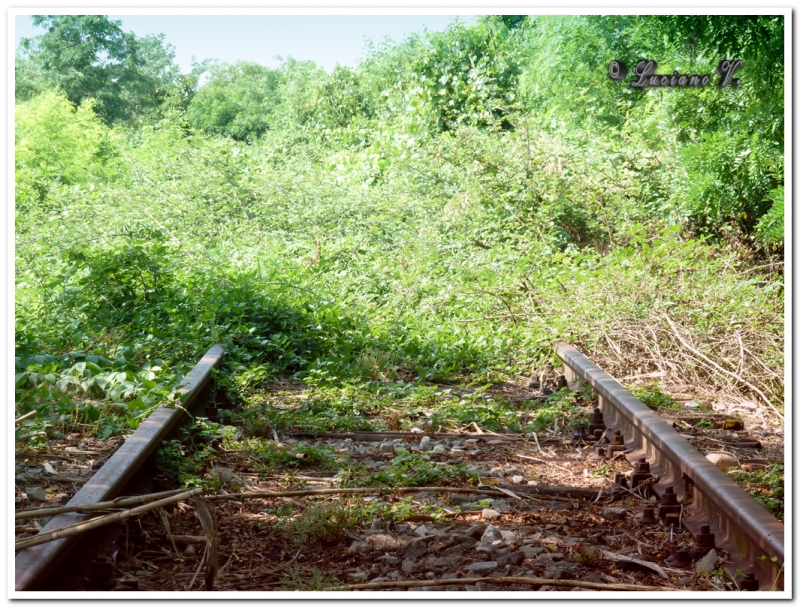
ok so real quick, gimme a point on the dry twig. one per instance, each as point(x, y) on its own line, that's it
point(117, 503)
point(533, 581)
point(207, 521)
point(723, 370)
point(24, 417)
point(352, 491)
point(84, 526)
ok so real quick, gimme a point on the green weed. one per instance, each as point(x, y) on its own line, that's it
point(588, 556)
point(765, 485)
point(315, 582)
point(409, 469)
point(652, 396)
point(559, 410)
point(323, 524)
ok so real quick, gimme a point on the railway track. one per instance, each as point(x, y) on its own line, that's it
point(42, 567)
point(740, 524)
point(692, 493)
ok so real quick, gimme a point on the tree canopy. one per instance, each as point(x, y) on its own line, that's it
point(89, 56)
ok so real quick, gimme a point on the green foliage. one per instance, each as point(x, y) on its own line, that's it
point(466, 74)
point(318, 581)
point(588, 556)
point(728, 142)
point(268, 457)
point(173, 460)
point(489, 413)
point(109, 396)
point(237, 100)
point(765, 485)
point(89, 56)
point(402, 508)
point(652, 396)
point(726, 179)
point(186, 459)
point(770, 226)
point(409, 469)
point(560, 409)
point(57, 144)
point(339, 99)
point(325, 524)
point(307, 419)
point(443, 211)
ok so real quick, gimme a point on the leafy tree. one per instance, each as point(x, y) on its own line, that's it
point(58, 144)
point(464, 75)
point(299, 80)
point(238, 100)
point(89, 56)
point(339, 97)
point(28, 78)
point(733, 156)
point(770, 230)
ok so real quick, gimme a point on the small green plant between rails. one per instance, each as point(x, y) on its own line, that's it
point(187, 459)
point(409, 469)
point(312, 581)
point(326, 523)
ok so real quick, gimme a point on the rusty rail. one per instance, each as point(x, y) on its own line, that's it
point(741, 525)
point(32, 565)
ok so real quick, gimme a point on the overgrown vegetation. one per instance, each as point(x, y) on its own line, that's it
point(765, 485)
point(444, 210)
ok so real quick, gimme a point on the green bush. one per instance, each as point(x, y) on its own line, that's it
point(238, 100)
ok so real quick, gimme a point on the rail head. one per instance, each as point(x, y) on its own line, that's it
point(33, 564)
point(742, 526)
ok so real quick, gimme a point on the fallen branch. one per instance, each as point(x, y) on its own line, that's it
point(84, 526)
point(536, 438)
point(555, 491)
point(353, 491)
point(382, 436)
point(723, 370)
point(117, 503)
point(542, 461)
point(533, 581)
point(197, 571)
point(165, 520)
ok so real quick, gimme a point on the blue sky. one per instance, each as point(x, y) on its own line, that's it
point(326, 40)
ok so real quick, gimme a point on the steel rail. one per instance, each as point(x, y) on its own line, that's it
point(741, 525)
point(32, 565)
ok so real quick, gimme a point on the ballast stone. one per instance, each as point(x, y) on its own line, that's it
point(482, 567)
point(36, 494)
